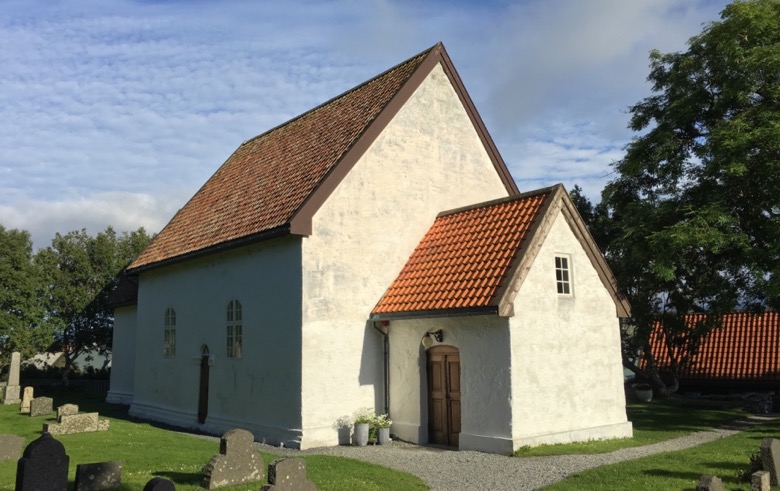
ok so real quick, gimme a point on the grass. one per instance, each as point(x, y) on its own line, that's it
point(147, 451)
point(681, 470)
point(653, 422)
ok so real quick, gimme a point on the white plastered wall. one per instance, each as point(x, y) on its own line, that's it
point(122, 356)
point(483, 342)
point(428, 159)
point(260, 391)
point(567, 375)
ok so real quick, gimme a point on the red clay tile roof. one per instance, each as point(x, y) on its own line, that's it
point(466, 257)
point(746, 348)
point(267, 179)
point(274, 182)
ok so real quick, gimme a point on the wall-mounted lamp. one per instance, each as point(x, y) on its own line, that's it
point(430, 337)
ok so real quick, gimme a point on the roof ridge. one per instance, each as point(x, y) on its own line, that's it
point(345, 93)
point(498, 201)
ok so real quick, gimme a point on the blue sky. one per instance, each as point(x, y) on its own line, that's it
point(115, 113)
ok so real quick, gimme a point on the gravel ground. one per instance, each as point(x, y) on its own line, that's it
point(451, 470)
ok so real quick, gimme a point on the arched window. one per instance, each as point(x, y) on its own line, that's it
point(234, 330)
point(169, 336)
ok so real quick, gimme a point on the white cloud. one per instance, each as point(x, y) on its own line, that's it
point(110, 104)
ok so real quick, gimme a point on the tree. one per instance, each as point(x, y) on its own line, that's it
point(80, 273)
point(694, 214)
point(21, 311)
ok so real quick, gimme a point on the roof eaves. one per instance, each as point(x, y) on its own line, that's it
point(301, 222)
point(436, 313)
point(577, 225)
point(530, 246)
point(479, 124)
point(223, 246)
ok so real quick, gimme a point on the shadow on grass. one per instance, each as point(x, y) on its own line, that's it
point(694, 476)
point(180, 477)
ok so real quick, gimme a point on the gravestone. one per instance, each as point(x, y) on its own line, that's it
point(710, 483)
point(11, 447)
point(237, 461)
point(759, 481)
point(41, 406)
point(66, 410)
point(68, 424)
point(44, 465)
point(98, 476)
point(12, 389)
point(770, 458)
point(27, 396)
point(159, 484)
point(288, 475)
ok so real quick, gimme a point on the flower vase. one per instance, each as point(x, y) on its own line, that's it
point(360, 438)
point(382, 436)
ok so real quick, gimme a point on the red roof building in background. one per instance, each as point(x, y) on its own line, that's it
point(744, 354)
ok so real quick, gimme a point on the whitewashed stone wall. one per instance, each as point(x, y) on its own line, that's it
point(260, 391)
point(567, 375)
point(428, 159)
point(123, 356)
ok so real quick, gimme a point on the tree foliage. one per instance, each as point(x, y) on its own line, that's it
point(21, 309)
point(693, 218)
point(80, 272)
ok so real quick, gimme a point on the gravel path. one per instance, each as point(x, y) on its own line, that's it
point(451, 470)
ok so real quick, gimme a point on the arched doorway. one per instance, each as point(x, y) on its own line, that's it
point(443, 395)
point(203, 393)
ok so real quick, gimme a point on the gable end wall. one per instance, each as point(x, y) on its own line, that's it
point(427, 159)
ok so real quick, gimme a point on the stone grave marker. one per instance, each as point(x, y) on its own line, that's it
point(759, 481)
point(11, 447)
point(68, 424)
point(27, 396)
point(237, 461)
point(12, 389)
point(159, 484)
point(288, 475)
point(44, 465)
point(41, 406)
point(710, 483)
point(66, 410)
point(770, 458)
point(98, 476)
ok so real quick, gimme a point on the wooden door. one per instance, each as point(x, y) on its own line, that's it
point(444, 395)
point(203, 392)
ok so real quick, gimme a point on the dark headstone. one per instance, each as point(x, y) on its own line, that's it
point(710, 483)
point(11, 447)
point(759, 481)
point(237, 461)
point(98, 476)
point(288, 475)
point(44, 465)
point(770, 458)
point(41, 406)
point(159, 484)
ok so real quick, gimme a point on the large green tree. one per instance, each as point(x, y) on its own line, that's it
point(80, 272)
point(21, 309)
point(694, 214)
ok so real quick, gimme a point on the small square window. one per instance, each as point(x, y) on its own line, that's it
point(563, 275)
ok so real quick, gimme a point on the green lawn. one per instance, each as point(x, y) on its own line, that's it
point(653, 422)
point(725, 458)
point(147, 451)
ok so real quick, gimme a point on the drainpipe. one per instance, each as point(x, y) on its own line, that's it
point(383, 328)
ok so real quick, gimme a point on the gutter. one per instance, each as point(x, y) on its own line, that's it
point(382, 328)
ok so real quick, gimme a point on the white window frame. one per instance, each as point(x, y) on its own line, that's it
point(169, 333)
point(564, 283)
point(234, 329)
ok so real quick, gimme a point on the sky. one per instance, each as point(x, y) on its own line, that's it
point(115, 113)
